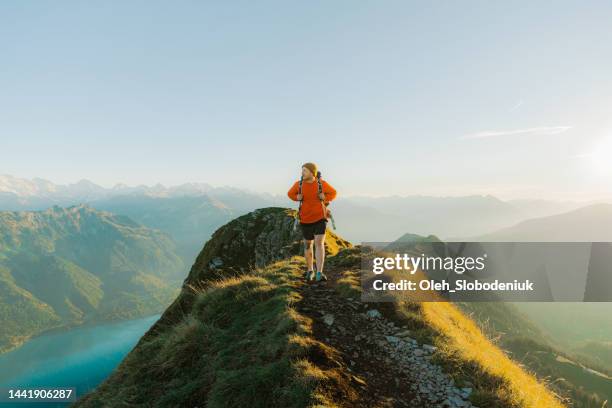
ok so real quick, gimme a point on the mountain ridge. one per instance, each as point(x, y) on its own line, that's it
point(247, 331)
point(66, 266)
point(585, 224)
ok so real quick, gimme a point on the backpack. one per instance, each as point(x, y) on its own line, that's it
point(326, 211)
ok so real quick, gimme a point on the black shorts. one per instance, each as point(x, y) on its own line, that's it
point(314, 228)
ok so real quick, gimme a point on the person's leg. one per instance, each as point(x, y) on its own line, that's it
point(319, 243)
point(308, 235)
point(308, 253)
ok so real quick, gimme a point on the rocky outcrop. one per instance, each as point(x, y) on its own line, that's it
point(246, 243)
point(253, 241)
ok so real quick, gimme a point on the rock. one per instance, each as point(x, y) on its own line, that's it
point(393, 339)
point(373, 314)
point(403, 333)
point(461, 403)
point(216, 262)
point(429, 347)
point(328, 319)
point(256, 239)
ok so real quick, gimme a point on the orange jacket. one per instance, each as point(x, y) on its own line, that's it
point(312, 209)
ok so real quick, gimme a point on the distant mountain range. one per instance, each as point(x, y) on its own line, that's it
point(35, 194)
point(189, 213)
point(189, 220)
point(66, 266)
point(360, 219)
point(586, 224)
point(371, 219)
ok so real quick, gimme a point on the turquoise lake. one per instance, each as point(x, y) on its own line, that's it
point(81, 357)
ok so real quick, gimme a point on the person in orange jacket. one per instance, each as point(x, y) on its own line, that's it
point(313, 216)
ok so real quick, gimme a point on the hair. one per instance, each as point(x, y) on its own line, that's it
point(312, 168)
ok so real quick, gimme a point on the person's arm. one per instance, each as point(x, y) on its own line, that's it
point(293, 192)
point(329, 191)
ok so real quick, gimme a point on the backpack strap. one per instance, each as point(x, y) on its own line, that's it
point(300, 192)
point(326, 213)
point(323, 204)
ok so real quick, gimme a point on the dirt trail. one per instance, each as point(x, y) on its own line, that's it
point(388, 367)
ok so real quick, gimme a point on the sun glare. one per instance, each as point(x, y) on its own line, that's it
point(601, 157)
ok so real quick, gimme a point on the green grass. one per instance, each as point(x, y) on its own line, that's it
point(241, 344)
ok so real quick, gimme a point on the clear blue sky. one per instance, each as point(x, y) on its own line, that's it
point(394, 97)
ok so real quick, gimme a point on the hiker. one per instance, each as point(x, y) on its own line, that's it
point(314, 194)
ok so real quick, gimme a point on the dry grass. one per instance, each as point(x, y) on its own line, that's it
point(463, 349)
point(462, 344)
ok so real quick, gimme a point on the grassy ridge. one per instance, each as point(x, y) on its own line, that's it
point(241, 344)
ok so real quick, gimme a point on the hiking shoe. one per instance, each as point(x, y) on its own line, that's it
point(321, 276)
point(308, 275)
